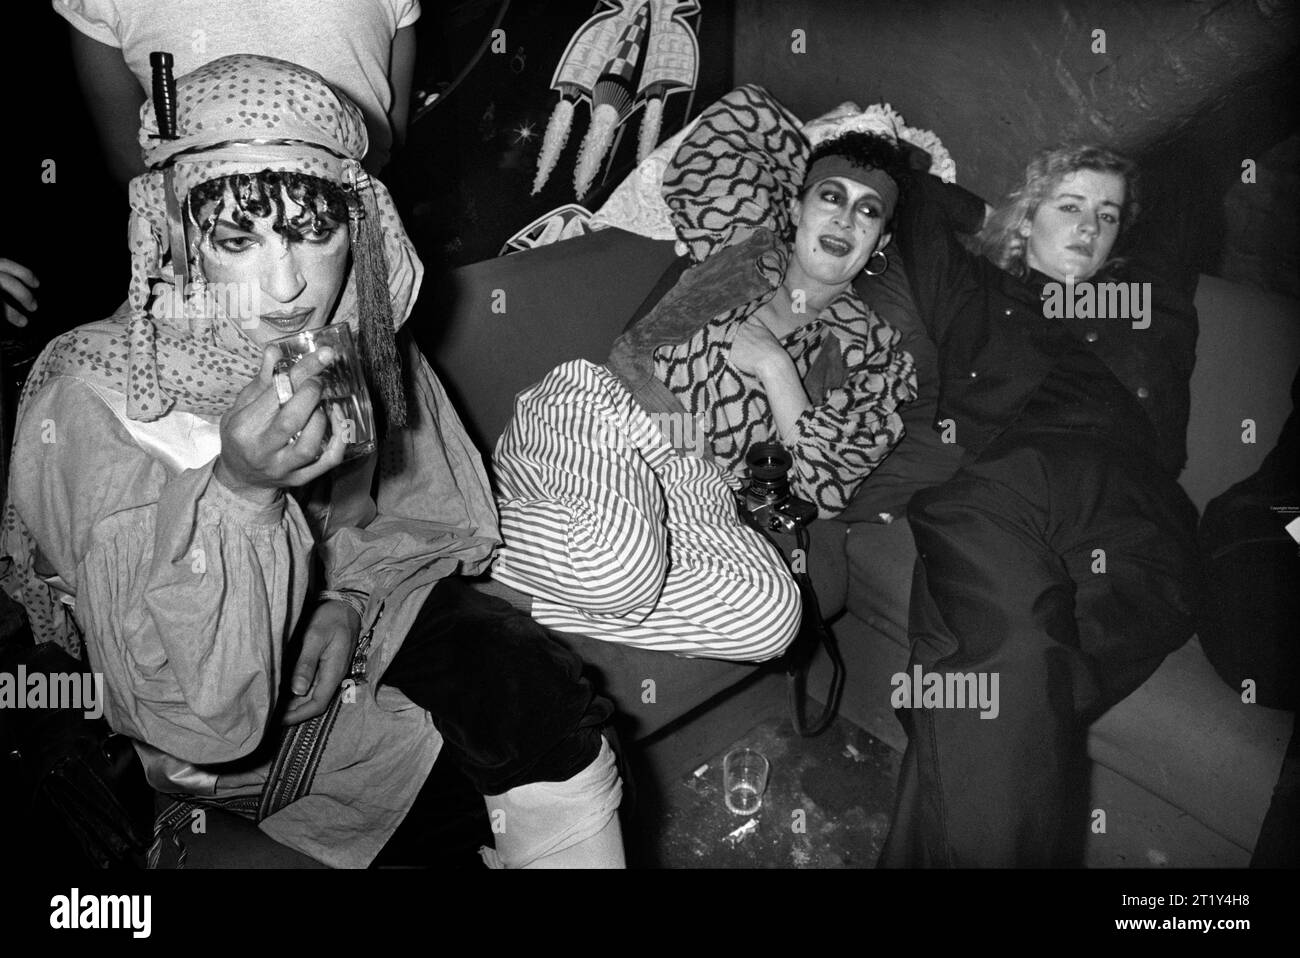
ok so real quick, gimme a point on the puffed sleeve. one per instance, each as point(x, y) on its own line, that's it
point(735, 172)
point(406, 12)
point(185, 592)
point(97, 19)
point(838, 441)
point(433, 505)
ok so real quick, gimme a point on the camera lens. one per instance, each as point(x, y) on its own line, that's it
point(768, 462)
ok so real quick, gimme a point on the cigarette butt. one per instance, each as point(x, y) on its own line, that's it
point(741, 833)
point(701, 770)
point(283, 386)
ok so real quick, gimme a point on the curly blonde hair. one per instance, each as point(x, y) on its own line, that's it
point(1001, 241)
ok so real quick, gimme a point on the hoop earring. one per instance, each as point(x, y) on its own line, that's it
point(884, 264)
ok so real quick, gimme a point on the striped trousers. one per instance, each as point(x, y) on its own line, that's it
point(618, 537)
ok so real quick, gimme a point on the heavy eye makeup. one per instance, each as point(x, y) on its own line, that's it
point(835, 197)
point(311, 229)
point(229, 237)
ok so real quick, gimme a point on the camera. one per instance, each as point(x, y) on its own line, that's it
point(766, 503)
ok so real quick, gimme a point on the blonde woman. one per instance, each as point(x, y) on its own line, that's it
point(1058, 566)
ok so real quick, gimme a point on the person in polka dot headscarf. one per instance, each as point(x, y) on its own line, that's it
point(285, 635)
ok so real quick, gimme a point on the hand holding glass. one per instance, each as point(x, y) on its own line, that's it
point(343, 388)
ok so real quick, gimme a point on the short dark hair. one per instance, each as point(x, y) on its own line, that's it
point(868, 150)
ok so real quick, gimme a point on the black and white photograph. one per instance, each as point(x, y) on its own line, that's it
point(667, 437)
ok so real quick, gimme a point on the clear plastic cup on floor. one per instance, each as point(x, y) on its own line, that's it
point(744, 779)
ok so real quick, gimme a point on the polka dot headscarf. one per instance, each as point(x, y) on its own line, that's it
point(242, 114)
point(184, 357)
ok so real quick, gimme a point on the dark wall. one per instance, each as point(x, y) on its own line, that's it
point(1189, 88)
point(64, 217)
point(1261, 243)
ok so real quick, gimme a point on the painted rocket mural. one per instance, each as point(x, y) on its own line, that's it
point(631, 55)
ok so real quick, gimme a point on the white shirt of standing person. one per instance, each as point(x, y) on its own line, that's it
point(354, 44)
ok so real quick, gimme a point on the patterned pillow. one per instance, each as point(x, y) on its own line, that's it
point(637, 204)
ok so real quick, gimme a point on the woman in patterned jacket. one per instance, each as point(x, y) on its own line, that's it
point(617, 483)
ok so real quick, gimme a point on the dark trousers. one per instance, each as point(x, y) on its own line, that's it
point(1067, 567)
point(512, 707)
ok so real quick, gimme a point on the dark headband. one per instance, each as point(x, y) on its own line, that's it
point(841, 166)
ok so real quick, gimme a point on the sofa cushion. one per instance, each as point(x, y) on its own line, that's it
point(651, 689)
point(880, 559)
point(1183, 735)
point(828, 565)
point(1188, 738)
point(515, 318)
point(1246, 358)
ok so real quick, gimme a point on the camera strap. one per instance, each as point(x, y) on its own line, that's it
point(813, 631)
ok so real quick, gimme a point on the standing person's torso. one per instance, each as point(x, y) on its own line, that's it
point(349, 43)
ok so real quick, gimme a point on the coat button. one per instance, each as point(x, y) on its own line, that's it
point(1008, 311)
point(1091, 336)
point(1143, 392)
point(973, 374)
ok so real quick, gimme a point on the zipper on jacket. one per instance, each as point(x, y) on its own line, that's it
point(357, 671)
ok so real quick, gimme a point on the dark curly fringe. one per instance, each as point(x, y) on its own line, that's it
point(864, 149)
point(259, 195)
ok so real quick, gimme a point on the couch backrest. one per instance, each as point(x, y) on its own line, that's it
point(1246, 357)
point(518, 316)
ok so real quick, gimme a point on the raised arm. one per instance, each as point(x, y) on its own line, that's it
point(927, 224)
point(113, 99)
point(401, 72)
point(737, 171)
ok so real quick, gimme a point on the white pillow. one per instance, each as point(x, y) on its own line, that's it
point(637, 204)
